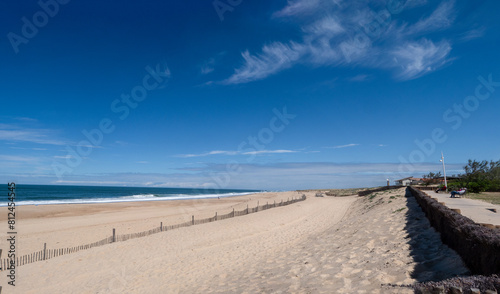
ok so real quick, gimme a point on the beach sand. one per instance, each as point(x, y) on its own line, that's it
point(321, 245)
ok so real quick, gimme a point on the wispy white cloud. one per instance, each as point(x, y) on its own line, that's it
point(473, 34)
point(296, 7)
point(327, 26)
point(268, 152)
point(223, 152)
point(441, 18)
point(91, 146)
point(98, 183)
point(344, 146)
point(274, 58)
point(335, 34)
point(303, 7)
point(16, 158)
point(63, 156)
point(215, 152)
point(39, 136)
point(22, 148)
point(26, 119)
point(418, 58)
point(206, 69)
point(209, 65)
point(359, 78)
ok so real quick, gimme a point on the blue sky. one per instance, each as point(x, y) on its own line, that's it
point(246, 94)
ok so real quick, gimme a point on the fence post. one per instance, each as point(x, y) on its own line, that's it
point(257, 205)
point(44, 251)
point(247, 208)
point(216, 215)
point(233, 212)
point(161, 226)
point(114, 235)
point(192, 220)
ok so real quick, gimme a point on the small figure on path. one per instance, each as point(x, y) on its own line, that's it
point(459, 192)
point(443, 188)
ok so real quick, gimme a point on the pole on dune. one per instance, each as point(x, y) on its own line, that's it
point(444, 173)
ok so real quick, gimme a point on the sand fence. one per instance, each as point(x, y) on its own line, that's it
point(45, 254)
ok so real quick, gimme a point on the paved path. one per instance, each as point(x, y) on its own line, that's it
point(474, 209)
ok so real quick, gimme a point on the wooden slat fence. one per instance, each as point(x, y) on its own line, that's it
point(46, 254)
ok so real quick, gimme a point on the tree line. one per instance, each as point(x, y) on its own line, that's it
point(479, 176)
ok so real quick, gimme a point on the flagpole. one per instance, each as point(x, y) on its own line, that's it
point(444, 172)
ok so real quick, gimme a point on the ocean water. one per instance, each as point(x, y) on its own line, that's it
point(52, 194)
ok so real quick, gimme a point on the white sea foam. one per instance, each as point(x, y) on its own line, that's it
point(132, 198)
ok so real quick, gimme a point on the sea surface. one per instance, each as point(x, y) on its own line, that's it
point(52, 194)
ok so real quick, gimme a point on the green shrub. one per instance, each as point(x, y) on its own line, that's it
point(475, 187)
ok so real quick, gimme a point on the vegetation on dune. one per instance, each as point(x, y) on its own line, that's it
point(399, 210)
point(479, 176)
point(352, 191)
point(337, 192)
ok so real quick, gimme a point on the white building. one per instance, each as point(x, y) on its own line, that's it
point(408, 181)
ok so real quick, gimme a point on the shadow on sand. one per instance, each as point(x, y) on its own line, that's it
point(434, 260)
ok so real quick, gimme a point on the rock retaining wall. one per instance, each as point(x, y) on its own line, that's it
point(478, 246)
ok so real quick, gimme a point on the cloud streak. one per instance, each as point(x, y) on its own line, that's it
point(303, 7)
point(39, 136)
point(441, 18)
point(232, 153)
point(342, 34)
point(16, 158)
point(418, 58)
point(344, 146)
point(274, 58)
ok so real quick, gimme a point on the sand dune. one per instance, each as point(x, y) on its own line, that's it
point(321, 245)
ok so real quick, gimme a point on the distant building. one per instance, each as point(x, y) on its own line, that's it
point(409, 181)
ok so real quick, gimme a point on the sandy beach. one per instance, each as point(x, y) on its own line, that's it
point(321, 245)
